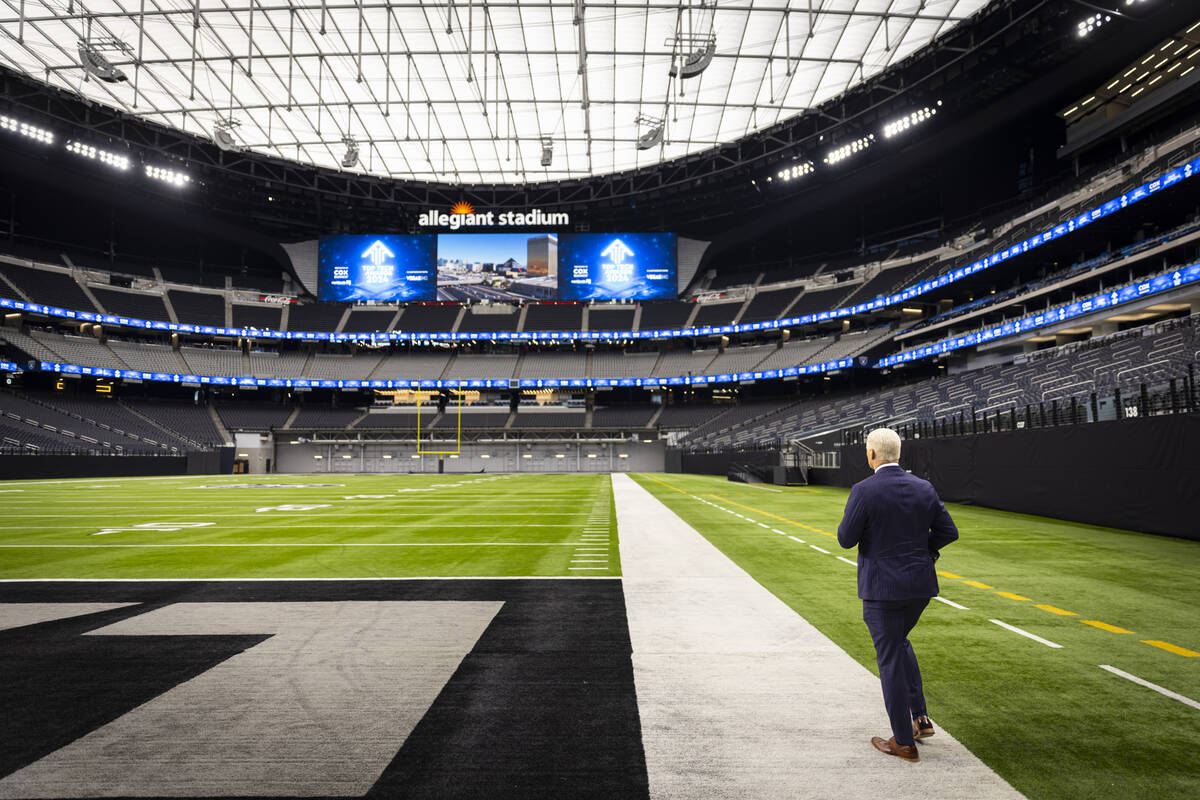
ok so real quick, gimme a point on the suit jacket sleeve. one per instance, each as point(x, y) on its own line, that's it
point(854, 520)
point(942, 530)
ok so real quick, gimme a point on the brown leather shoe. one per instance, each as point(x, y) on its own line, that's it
point(923, 727)
point(908, 752)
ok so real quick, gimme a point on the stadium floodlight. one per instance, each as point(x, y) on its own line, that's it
point(25, 129)
point(1092, 23)
point(847, 150)
point(798, 170)
point(351, 156)
point(173, 177)
point(652, 135)
point(94, 63)
point(899, 126)
point(223, 134)
point(103, 156)
point(547, 151)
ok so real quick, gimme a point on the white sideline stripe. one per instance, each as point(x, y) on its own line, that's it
point(251, 496)
point(218, 478)
point(587, 567)
point(1026, 634)
point(951, 603)
point(277, 580)
point(818, 549)
point(288, 544)
point(848, 561)
point(793, 538)
point(781, 533)
point(1187, 701)
point(108, 480)
point(764, 525)
point(326, 525)
point(751, 520)
point(589, 560)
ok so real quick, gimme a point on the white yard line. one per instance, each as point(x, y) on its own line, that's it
point(741, 697)
point(285, 544)
point(301, 580)
point(339, 524)
point(1187, 701)
point(1026, 634)
point(951, 603)
point(819, 549)
point(848, 561)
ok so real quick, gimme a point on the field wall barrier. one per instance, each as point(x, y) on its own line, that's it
point(1138, 474)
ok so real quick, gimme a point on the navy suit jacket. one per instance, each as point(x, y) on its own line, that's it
point(898, 522)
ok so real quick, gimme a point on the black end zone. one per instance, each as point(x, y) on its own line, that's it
point(543, 706)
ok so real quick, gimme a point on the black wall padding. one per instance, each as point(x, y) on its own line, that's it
point(26, 466)
point(23, 467)
point(1140, 474)
point(718, 463)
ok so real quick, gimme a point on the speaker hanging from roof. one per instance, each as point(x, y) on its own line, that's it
point(94, 63)
point(695, 61)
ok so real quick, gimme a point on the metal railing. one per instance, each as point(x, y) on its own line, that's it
point(1176, 396)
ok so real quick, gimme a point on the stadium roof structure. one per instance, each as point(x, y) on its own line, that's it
point(500, 92)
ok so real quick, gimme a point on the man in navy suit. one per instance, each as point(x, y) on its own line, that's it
point(899, 525)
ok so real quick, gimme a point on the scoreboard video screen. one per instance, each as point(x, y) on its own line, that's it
point(511, 267)
point(389, 268)
point(617, 266)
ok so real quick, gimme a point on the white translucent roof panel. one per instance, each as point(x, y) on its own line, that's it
point(467, 91)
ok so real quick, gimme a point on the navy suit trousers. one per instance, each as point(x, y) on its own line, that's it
point(889, 622)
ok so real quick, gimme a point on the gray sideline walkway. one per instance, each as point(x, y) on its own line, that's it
point(740, 697)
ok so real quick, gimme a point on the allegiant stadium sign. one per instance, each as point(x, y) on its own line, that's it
point(463, 215)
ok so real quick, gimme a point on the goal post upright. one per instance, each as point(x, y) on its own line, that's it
point(457, 429)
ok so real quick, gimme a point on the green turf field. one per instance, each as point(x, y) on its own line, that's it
point(354, 526)
point(1049, 720)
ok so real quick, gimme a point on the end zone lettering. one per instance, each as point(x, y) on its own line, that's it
point(535, 218)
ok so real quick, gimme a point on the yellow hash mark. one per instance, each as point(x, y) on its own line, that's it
point(1012, 596)
point(775, 516)
point(1104, 626)
point(948, 574)
point(1055, 610)
point(978, 585)
point(1172, 648)
point(664, 483)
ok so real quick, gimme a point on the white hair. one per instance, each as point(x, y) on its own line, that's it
point(886, 444)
